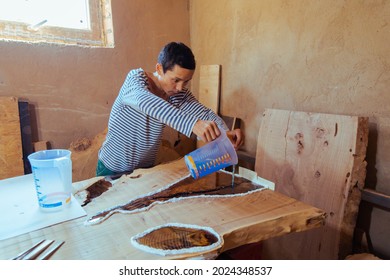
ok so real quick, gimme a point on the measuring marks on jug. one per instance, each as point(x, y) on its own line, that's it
point(51, 195)
point(52, 171)
point(207, 165)
point(211, 157)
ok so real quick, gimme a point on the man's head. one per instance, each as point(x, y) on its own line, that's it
point(175, 67)
point(176, 53)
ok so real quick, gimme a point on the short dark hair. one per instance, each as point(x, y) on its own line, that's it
point(176, 53)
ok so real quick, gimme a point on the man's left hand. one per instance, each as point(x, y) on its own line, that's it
point(237, 137)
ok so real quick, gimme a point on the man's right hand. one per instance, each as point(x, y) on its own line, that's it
point(206, 130)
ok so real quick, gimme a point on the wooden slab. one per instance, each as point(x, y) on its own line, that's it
point(85, 156)
point(239, 220)
point(318, 159)
point(11, 153)
point(209, 88)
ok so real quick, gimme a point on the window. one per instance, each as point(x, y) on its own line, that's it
point(74, 22)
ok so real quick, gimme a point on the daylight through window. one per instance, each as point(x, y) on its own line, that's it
point(75, 22)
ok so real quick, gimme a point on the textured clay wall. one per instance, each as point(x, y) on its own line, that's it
point(321, 56)
point(318, 56)
point(72, 88)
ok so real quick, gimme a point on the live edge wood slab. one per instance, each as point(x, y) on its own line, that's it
point(238, 220)
point(318, 159)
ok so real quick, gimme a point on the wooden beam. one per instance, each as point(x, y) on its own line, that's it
point(376, 198)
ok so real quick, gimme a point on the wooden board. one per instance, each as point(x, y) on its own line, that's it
point(209, 88)
point(239, 220)
point(11, 153)
point(318, 159)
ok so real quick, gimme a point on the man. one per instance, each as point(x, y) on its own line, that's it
point(149, 101)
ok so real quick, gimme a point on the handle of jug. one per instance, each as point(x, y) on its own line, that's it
point(64, 166)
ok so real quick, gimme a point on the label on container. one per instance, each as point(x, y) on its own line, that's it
point(207, 166)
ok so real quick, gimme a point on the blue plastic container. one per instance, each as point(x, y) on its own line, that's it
point(211, 157)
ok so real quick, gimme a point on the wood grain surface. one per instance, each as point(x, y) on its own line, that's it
point(11, 153)
point(209, 89)
point(239, 220)
point(318, 159)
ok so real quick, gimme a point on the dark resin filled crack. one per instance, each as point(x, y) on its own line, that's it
point(216, 184)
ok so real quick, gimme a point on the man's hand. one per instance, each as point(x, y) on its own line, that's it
point(206, 130)
point(237, 137)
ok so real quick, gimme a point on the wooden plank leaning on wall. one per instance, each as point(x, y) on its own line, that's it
point(209, 89)
point(11, 153)
point(318, 159)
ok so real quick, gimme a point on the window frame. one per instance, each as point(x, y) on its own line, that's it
point(100, 34)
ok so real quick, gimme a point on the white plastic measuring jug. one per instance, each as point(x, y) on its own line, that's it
point(52, 170)
point(211, 157)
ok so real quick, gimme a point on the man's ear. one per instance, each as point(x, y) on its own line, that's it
point(159, 69)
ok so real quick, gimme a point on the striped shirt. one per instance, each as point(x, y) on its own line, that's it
point(137, 120)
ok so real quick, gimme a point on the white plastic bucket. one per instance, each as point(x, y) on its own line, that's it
point(52, 170)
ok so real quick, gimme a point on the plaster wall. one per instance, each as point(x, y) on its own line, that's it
point(73, 88)
point(316, 56)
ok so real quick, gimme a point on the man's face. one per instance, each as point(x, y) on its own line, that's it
point(173, 81)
